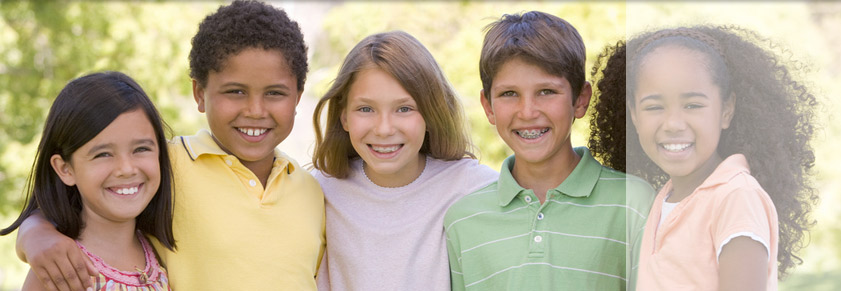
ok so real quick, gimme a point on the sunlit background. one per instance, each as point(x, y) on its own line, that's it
point(44, 45)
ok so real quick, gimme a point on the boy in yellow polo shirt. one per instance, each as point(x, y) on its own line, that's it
point(246, 216)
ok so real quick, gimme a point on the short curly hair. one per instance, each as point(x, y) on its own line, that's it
point(766, 92)
point(242, 25)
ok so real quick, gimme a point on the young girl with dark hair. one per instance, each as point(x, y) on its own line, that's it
point(720, 124)
point(102, 176)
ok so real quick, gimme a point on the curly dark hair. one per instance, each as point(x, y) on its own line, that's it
point(772, 125)
point(242, 25)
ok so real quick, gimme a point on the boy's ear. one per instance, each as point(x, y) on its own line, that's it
point(198, 94)
point(583, 101)
point(486, 104)
point(729, 107)
point(63, 170)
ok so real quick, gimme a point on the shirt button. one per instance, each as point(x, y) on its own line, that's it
point(528, 199)
point(538, 239)
point(252, 183)
point(540, 216)
point(229, 162)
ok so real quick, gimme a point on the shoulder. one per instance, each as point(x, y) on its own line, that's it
point(465, 165)
point(637, 193)
point(742, 188)
point(634, 187)
point(485, 198)
point(296, 172)
point(464, 175)
point(176, 148)
point(463, 168)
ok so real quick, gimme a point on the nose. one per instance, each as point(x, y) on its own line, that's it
point(528, 108)
point(384, 126)
point(125, 166)
point(675, 121)
point(255, 107)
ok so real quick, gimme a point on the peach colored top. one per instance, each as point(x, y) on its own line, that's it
point(682, 253)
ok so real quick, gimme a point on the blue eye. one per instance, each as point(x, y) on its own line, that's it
point(365, 109)
point(403, 109)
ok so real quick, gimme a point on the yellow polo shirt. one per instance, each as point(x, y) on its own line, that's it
point(231, 233)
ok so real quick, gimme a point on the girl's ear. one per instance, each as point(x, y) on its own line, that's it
point(727, 111)
point(63, 169)
point(632, 112)
point(486, 104)
point(343, 119)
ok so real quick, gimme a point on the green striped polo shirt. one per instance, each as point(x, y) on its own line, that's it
point(584, 237)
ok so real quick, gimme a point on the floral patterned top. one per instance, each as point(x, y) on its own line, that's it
point(153, 277)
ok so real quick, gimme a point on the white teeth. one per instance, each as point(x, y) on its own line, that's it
point(676, 147)
point(532, 134)
point(253, 131)
point(126, 191)
point(385, 150)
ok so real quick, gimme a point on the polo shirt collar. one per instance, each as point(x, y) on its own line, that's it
point(202, 143)
point(726, 170)
point(507, 187)
point(579, 184)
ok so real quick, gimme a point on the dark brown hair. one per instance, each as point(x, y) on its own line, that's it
point(84, 108)
point(542, 39)
point(772, 124)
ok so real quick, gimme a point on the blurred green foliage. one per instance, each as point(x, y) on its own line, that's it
point(44, 44)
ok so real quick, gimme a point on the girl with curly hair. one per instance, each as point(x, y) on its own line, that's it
point(720, 124)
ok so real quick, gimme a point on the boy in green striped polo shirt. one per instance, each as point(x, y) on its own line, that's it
point(556, 219)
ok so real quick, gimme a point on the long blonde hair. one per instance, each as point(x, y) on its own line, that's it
point(405, 58)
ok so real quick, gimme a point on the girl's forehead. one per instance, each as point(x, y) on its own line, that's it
point(673, 70)
point(673, 54)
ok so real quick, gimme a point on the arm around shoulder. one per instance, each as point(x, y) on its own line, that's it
point(54, 258)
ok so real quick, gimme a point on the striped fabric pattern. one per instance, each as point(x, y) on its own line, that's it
point(583, 237)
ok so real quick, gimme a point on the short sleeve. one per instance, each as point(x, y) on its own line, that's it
point(454, 254)
point(744, 211)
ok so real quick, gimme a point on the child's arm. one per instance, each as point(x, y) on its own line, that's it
point(456, 276)
point(743, 265)
point(31, 283)
point(55, 259)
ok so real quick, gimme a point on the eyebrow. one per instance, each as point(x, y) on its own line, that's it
point(686, 95)
point(515, 86)
point(236, 84)
point(145, 141)
point(371, 100)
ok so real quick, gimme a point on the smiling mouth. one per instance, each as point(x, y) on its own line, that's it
point(126, 190)
point(252, 131)
point(675, 147)
point(385, 149)
point(531, 134)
